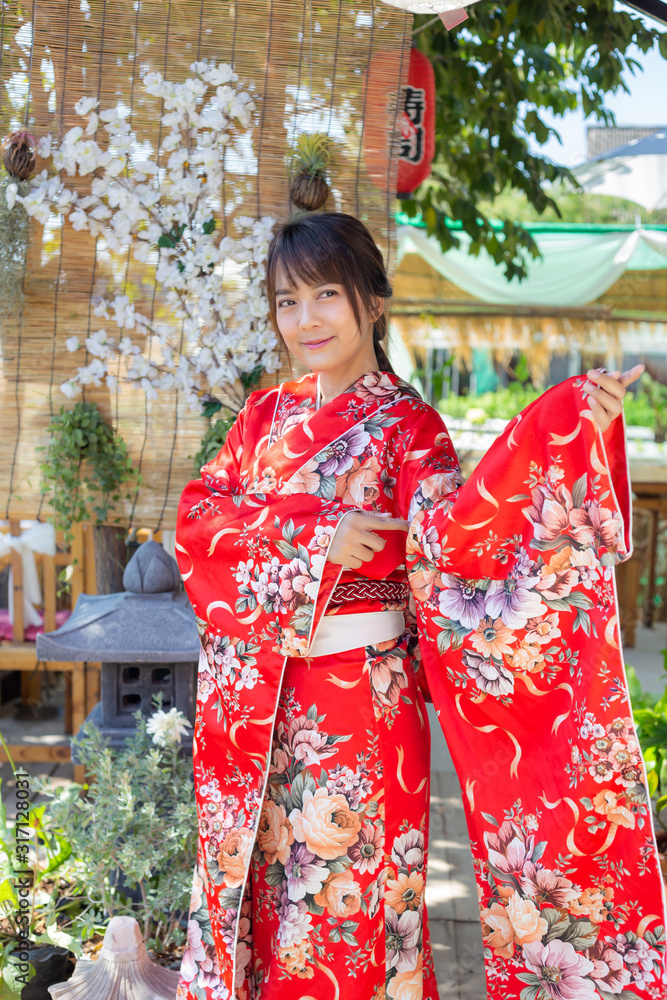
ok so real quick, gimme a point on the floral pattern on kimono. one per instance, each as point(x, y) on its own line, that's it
point(516, 626)
point(252, 540)
point(518, 623)
point(339, 864)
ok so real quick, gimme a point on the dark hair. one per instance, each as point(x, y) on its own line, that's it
point(335, 247)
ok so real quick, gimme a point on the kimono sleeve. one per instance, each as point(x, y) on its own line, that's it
point(429, 479)
point(225, 468)
point(519, 631)
point(430, 473)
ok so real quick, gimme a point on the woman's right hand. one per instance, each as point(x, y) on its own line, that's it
point(355, 541)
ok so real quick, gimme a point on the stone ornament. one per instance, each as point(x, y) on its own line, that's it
point(151, 621)
point(123, 970)
point(151, 570)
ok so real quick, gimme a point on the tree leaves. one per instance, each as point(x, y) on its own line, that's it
point(495, 75)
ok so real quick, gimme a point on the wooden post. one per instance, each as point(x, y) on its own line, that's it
point(49, 584)
point(627, 583)
point(110, 554)
point(67, 720)
point(650, 584)
point(76, 551)
point(18, 630)
point(90, 581)
point(78, 710)
point(93, 675)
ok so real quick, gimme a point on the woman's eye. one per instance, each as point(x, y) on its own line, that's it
point(285, 302)
point(329, 291)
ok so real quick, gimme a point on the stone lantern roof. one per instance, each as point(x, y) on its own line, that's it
point(151, 621)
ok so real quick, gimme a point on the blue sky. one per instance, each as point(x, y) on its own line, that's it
point(645, 105)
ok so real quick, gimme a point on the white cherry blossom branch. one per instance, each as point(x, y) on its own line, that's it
point(165, 214)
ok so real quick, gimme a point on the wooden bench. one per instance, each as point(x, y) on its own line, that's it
point(82, 680)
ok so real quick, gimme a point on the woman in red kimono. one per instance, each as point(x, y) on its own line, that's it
point(341, 573)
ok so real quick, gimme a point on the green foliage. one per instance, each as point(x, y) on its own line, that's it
point(654, 395)
point(14, 238)
point(85, 466)
point(212, 442)
point(573, 207)
point(650, 715)
point(495, 74)
point(138, 820)
point(502, 403)
point(42, 857)
point(312, 154)
point(512, 399)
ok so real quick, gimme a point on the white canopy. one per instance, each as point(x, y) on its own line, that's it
point(636, 171)
point(576, 266)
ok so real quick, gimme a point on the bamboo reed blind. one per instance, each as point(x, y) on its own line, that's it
point(307, 63)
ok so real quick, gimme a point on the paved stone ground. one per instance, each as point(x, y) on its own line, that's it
point(451, 893)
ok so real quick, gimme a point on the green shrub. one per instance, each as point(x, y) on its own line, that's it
point(507, 402)
point(650, 714)
point(138, 823)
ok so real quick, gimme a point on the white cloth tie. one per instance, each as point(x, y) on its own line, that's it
point(39, 537)
point(338, 633)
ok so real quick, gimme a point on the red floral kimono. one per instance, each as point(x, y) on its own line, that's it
point(312, 771)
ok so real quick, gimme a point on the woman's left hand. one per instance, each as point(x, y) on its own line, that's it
point(606, 391)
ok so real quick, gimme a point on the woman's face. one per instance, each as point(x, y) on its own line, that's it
point(318, 325)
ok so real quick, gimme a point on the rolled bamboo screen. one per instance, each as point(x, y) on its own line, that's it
point(307, 63)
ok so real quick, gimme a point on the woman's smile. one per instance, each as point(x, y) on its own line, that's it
point(313, 345)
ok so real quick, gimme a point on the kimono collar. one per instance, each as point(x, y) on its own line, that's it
point(373, 383)
point(300, 443)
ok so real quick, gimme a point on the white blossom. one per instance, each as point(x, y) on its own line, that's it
point(79, 219)
point(93, 373)
point(70, 389)
point(100, 345)
point(221, 74)
point(44, 146)
point(11, 192)
point(163, 205)
point(127, 347)
point(168, 727)
point(85, 105)
point(73, 135)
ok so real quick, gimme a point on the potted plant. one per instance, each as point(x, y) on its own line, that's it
point(83, 473)
point(132, 829)
point(309, 188)
point(36, 898)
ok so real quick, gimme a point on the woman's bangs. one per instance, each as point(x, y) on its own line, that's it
point(307, 257)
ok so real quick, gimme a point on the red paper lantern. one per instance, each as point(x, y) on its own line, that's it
point(416, 122)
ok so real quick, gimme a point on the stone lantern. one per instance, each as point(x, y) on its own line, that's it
point(146, 639)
